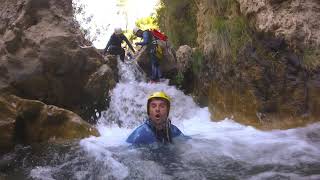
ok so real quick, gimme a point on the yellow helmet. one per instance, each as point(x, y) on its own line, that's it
point(161, 95)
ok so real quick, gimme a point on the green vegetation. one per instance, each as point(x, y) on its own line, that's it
point(219, 7)
point(197, 61)
point(311, 59)
point(177, 18)
point(85, 22)
point(178, 80)
point(149, 22)
point(231, 31)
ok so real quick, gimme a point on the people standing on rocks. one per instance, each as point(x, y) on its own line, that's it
point(148, 41)
point(114, 44)
point(157, 127)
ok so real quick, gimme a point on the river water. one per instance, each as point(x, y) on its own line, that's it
point(216, 150)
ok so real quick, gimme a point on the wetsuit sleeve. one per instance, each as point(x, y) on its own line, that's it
point(176, 132)
point(128, 42)
point(141, 135)
point(145, 37)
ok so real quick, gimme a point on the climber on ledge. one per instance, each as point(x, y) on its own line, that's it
point(114, 45)
point(157, 128)
point(148, 40)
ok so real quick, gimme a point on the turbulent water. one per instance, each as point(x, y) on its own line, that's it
point(216, 150)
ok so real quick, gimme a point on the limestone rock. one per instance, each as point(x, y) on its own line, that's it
point(43, 55)
point(184, 57)
point(30, 121)
point(264, 81)
point(295, 20)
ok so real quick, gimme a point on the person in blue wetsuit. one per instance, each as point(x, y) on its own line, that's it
point(149, 41)
point(158, 127)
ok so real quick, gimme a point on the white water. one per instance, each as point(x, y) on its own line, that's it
point(217, 150)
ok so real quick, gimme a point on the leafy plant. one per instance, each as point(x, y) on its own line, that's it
point(84, 21)
point(177, 18)
point(148, 22)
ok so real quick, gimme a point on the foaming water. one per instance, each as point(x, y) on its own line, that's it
point(216, 150)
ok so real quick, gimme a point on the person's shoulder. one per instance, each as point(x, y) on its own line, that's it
point(146, 32)
point(123, 36)
point(175, 130)
point(177, 133)
point(141, 135)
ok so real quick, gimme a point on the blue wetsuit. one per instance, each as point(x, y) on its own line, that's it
point(146, 134)
point(155, 66)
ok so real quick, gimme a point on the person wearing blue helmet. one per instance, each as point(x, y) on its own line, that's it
point(157, 127)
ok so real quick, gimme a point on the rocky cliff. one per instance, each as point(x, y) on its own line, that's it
point(260, 61)
point(297, 21)
point(44, 57)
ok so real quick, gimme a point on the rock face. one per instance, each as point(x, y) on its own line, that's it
point(297, 21)
point(30, 121)
point(184, 58)
point(8, 116)
point(186, 62)
point(43, 57)
point(255, 68)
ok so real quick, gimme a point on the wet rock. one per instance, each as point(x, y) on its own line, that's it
point(31, 121)
point(8, 115)
point(95, 88)
point(111, 61)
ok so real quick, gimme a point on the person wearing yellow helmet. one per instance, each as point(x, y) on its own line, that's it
point(157, 128)
point(114, 44)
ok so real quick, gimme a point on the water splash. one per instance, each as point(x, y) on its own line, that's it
point(217, 150)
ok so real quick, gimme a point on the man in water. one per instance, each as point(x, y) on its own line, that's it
point(158, 127)
point(114, 44)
